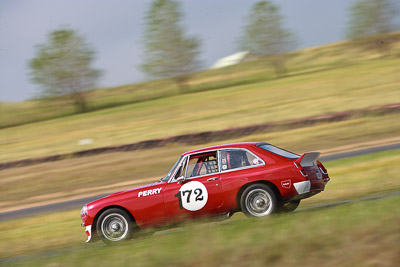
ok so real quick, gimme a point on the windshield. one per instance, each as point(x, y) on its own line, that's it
point(166, 178)
point(279, 151)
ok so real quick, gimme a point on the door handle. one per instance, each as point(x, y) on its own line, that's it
point(212, 179)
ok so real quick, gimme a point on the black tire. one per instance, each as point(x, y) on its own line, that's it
point(288, 206)
point(258, 200)
point(114, 225)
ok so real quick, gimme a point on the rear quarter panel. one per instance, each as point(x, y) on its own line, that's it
point(233, 181)
point(279, 171)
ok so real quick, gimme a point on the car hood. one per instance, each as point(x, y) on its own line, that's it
point(109, 199)
point(131, 190)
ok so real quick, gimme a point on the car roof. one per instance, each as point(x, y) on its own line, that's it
point(233, 145)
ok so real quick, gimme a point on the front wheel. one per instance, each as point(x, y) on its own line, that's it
point(114, 225)
point(258, 200)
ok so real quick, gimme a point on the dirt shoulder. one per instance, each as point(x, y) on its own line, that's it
point(210, 136)
point(52, 198)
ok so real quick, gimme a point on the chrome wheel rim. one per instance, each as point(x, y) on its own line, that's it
point(114, 227)
point(259, 202)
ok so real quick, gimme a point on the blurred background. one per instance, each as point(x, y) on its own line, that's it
point(97, 97)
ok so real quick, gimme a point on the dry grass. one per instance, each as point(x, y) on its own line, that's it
point(81, 177)
point(309, 93)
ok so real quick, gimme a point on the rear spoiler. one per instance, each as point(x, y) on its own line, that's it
point(308, 159)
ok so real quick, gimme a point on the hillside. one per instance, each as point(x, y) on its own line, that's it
point(320, 80)
point(307, 60)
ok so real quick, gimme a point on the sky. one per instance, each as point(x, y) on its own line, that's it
point(115, 28)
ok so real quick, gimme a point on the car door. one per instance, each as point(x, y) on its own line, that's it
point(200, 193)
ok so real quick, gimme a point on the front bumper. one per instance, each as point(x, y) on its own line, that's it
point(88, 232)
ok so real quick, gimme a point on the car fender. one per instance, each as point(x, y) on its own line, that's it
point(96, 217)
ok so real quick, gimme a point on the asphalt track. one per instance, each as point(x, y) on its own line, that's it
point(77, 203)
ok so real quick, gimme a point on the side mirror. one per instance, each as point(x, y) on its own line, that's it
point(181, 179)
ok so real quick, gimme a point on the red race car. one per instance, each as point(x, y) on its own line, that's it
point(256, 178)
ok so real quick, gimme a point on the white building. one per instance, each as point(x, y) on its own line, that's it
point(230, 60)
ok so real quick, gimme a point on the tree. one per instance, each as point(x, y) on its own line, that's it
point(168, 52)
point(63, 67)
point(264, 35)
point(370, 22)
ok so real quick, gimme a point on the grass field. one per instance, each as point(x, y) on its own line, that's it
point(279, 241)
point(81, 177)
point(373, 82)
point(328, 237)
point(351, 178)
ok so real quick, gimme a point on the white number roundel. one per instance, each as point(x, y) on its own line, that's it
point(193, 195)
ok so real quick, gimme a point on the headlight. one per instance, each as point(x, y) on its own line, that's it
point(84, 211)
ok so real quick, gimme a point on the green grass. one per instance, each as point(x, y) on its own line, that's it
point(328, 237)
point(298, 96)
point(353, 178)
point(41, 233)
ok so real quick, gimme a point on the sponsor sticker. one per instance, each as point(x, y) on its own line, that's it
point(150, 192)
point(286, 184)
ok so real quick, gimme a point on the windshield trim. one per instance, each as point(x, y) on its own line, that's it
point(171, 180)
point(171, 173)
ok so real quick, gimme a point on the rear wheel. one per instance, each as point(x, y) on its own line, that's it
point(114, 225)
point(288, 206)
point(258, 200)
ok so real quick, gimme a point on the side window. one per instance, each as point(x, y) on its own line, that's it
point(237, 158)
point(202, 164)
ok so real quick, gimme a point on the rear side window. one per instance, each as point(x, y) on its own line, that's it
point(279, 151)
point(237, 158)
